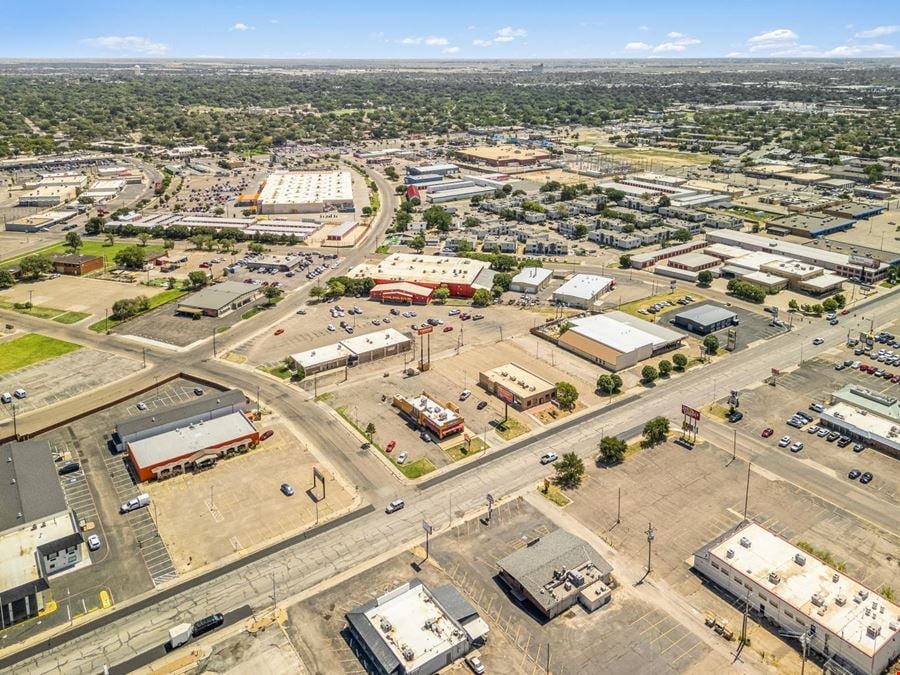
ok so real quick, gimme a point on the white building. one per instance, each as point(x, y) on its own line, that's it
point(582, 290)
point(844, 621)
point(530, 280)
point(306, 192)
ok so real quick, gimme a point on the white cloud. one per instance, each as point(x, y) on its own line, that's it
point(669, 47)
point(429, 40)
point(638, 47)
point(878, 31)
point(679, 43)
point(128, 44)
point(273, 20)
point(645, 28)
point(874, 49)
point(241, 27)
point(450, 50)
point(675, 34)
point(773, 40)
point(503, 35)
point(734, 55)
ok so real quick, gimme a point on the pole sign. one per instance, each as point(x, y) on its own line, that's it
point(424, 330)
point(505, 394)
point(687, 411)
point(427, 527)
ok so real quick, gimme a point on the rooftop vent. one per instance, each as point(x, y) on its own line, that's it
point(745, 542)
point(800, 559)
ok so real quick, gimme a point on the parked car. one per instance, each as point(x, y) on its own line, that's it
point(832, 437)
point(844, 441)
point(818, 341)
point(390, 446)
point(817, 407)
point(549, 457)
point(401, 458)
point(6, 397)
point(395, 506)
point(858, 447)
point(465, 394)
point(135, 503)
point(785, 441)
point(475, 664)
point(854, 474)
point(866, 478)
point(20, 393)
point(768, 431)
point(68, 467)
point(481, 405)
point(141, 405)
point(797, 447)
point(280, 331)
point(735, 417)
point(93, 542)
point(287, 490)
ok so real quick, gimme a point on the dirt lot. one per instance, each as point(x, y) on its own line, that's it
point(85, 369)
point(77, 294)
point(238, 506)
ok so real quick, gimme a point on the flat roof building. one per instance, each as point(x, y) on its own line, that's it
point(650, 258)
point(279, 263)
point(442, 420)
point(358, 349)
point(77, 265)
point(219, 299)
point(705, 319)
point(203, 408)
point(402, 291)
point(504, 155)
point(306, 192)
point(616, 340)
point(413, 630)
point(461, 276)
point(39, 534)
point(582, 290)
point(809, 225)
point(866, 417)
point(517, 386)
point(531, 280)
point(195, 446)
point(555, 571)
point(436, 169)
point(845, 621)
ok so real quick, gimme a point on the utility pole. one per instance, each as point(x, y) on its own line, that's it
point(258, 410)
point(619, 508)
point(747, 493)
point(548, 658)
point(734, 447)
point(15, 426)
point(214, 342)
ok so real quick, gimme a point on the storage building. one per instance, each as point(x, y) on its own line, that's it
point(531, 280)
point(306, 192)
point(705, 319)
point(582, 290)
point(219, 299)
point(77, 265)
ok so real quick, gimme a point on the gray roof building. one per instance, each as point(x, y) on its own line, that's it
point(556, 571)
point(219, 299)
point(29, 487)
point(705, 318)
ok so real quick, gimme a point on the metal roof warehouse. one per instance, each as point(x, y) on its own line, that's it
point(219, 299)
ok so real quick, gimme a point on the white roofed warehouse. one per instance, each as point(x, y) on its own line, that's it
point(306, 192)
point(844, 621)
point(531, 280)
point(582, 290)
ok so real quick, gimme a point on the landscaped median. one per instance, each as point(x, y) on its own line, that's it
point(154, 301)
point(30, 349)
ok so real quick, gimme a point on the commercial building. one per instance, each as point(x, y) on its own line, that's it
point(77, 265)
point(47, 195)
point(219, 299)
point(555, 571)
point(616, 340)
point(650, 258)
point(504, 155)
point(865, 416)
point(693, 262)
point(423, 179)
point(306, 192)
point(844, 621)
point(582, 290)
point(441, 420)
point(808, 225)
point(202, 409)
point(531, 280)
point(855, 210)
point(403, 292)
point(358, 349)
point(846, 265)
point(279, 263)
point(193, 447)
point(413, 630)
point(705, 319)
point(435, 169)
point(461, 276)
point(342, 233)
point(517, 386)
point(39, 534)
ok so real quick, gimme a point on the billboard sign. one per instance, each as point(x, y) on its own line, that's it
point(687, 411)
point(505, 394)
point(425, 330)
point(864, 261)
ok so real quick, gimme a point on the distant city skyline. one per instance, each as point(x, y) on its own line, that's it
point(461, 30)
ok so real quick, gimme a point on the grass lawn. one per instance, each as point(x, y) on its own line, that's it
point(655, 153)
point(60, 315)
point(753, 214)
point(71, 317)
point(554, 414)
point(155, 301)
point(416, 469)
point(510, 429)
point(719, 411)
point(633, 307)
point(463, 450)
point(554, 494)
point(90, 248)
point(250, 313)
point(30, 349)
point(280, 371)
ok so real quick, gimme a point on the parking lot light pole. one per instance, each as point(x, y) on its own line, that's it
point(650, 536)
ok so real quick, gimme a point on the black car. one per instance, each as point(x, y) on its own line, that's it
point(481, 405)
point(69, 467)
point(866, 478)
point(854, 474)
point(735, 417)
point(207, 624)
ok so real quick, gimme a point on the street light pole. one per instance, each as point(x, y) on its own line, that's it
point(651, 534)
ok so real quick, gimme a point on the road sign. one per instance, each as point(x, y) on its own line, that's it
point(775, 372)
point(425, 330)
point(427, 527)
point(687, 411)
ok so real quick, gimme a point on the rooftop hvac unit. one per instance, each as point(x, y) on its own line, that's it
point(386, 625)
point(799, 558)
point(407, 652)
point(774, 578)
point(729, 553)
point(745, 542)
point(835, 577)
point(873, 630)
point(818, 600)
point(840, 601)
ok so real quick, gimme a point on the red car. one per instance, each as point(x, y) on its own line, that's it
point(204, 265)
point(279, 331)
point(266, 434)
point(768, 431)
point(845, 312)
point(390, 446)
point(447, 329)
point(895, 379)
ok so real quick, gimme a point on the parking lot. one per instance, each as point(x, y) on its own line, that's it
point(85, 370)
point(751, 329)
point(238, 506)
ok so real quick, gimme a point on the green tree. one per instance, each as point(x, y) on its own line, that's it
point(168, 244)
point(680, 361)
point(317, 291)
point(840, 299)
point(144, 237)
point(197, 279)
point(612, 449)
point(272, 293)
point(566, 394)
point(609, 383)
point(7, 280)
point(829, 305)
point(33, 266)
point(711, 344)
point(705, 278)
point(665, 367)
point(649, 374)
point(581, 231)
point(471, 221)
point(564, 327)
point(402, 221)
point(441, 294)
point(664, 201)
point(370, 431)
point(437, 218)
point(131, 257)
point(655, 431)
point(256, 247)
point(129, 307)
point(336, 289)
point(503, 280)
point(110, 238)
point(624, 261)
point(793, 304)
point(503, 263)
point(73, 241)
point(569, 470)
point(481, 298)
point(94, 225)
point(417, 243)
point(682, 235)
point(817, 309)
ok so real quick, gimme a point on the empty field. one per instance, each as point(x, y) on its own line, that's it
point(30, 349)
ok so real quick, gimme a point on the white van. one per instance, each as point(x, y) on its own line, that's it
point(20, 393)
point(6, 397)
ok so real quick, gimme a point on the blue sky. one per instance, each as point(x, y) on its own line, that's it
point(459, 29)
